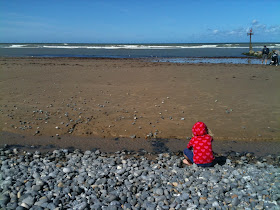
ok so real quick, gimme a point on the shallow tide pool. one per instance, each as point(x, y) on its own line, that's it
point(212, 60)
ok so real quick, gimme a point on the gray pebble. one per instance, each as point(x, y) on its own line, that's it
point(83, 180)
point(29, 201)
point(81, 206)
point(235, 201)
point(67, 170)
point(4, 199)
point(158, 191)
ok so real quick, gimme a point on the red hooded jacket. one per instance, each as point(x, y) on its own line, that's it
point(201, 143)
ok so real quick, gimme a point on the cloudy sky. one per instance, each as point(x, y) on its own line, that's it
point(145, 21)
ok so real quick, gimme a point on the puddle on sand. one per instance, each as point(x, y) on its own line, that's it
point(211, 60)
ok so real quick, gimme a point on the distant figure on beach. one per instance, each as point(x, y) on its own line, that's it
point(274, 58)
point(201, 143)
point(265, 52)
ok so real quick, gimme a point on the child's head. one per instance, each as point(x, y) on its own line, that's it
point(199, 129)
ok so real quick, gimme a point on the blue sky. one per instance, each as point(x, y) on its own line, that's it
point(142, 21)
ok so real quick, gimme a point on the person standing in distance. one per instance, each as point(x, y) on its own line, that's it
point(265, 52)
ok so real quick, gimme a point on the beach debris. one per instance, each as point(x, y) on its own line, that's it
point(182, 118)
point(229, 111)
point(71, 130)
point(133, 136)
point(36, 132)
point(150, 135)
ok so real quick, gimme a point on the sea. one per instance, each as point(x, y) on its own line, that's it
point(170, 52)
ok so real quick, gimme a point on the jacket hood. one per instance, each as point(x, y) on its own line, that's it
point(199, 129)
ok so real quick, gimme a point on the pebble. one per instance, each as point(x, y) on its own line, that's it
point(202, 200)
point(66, 170)
point(96, 180)
point(29, 201)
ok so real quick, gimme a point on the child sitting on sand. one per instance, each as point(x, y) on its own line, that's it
point(202, 154)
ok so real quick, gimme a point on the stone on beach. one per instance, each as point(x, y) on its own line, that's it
point(80, 180)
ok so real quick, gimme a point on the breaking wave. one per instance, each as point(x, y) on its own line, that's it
point(137, 46)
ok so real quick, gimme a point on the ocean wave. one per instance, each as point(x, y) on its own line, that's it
point(16, 46)
point(102, 47)
point(137, 46)
point(112, 47)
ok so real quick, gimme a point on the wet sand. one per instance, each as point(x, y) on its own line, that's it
point(138, 145)
point(127, 103)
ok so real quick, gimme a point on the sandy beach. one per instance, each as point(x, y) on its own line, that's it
point(58, 100)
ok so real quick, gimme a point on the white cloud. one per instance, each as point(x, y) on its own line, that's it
point(256, 26)
point(215, 31)
point(264, 29)
point(260, 26)
point(254, 22)
point(232, 32)
point(273, 29)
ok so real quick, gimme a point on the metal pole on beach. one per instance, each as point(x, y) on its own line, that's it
point(251, 33)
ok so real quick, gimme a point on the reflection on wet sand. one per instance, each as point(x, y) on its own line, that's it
point(211, 60)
